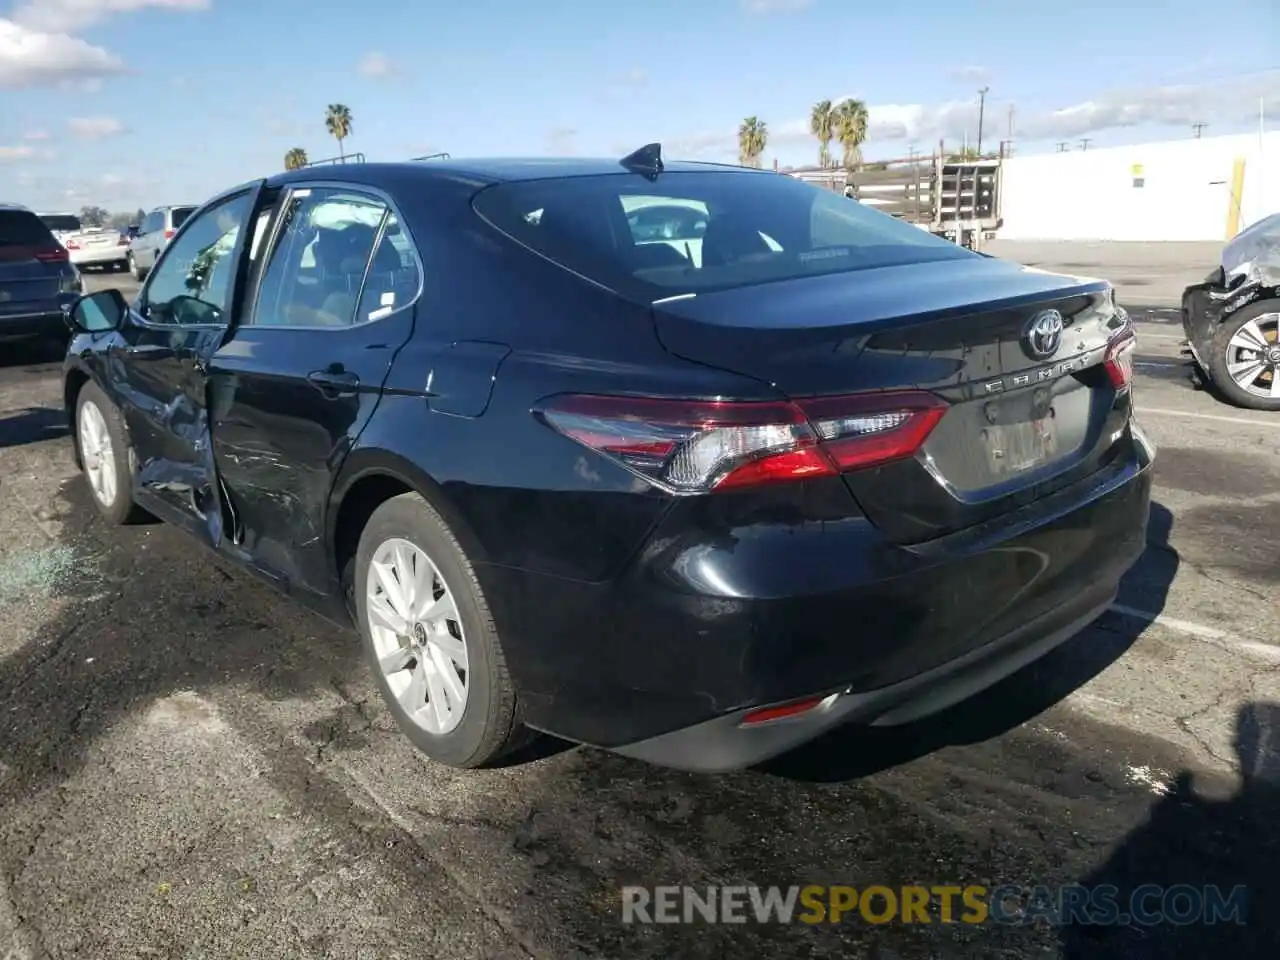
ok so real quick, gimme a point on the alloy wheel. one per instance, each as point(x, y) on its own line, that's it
point(417, 635)
point(1253, 356)
point(97, 453)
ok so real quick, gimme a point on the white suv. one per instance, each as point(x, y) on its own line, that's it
point(154, 233)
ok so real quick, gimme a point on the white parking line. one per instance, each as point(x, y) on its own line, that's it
point(1156, 411)
point(1220, 638)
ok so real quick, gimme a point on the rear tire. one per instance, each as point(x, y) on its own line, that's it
point(133, 267)
point(484, 722)
point(1262, 316)
point(105, 456)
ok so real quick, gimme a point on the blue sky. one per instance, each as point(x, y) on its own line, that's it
point(124, 103)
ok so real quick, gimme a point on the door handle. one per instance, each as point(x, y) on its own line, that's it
point(334, 379)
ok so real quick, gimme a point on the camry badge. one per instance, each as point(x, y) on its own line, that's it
point(1042, 335)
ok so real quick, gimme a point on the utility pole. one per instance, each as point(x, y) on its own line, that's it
point(982, 104)
point(1084, 143)
point(1197, 127)
point(1062, 146)
point(1010, 138)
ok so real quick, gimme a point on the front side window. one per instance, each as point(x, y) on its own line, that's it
point(690, 232)
point(317, 266)
point(192, 284)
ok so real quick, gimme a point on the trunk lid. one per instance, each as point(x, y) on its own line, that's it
point(1022, 423)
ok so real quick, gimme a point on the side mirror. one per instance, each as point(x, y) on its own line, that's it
point(98, 312)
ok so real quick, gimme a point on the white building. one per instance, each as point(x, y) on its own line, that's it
point(1205, 189)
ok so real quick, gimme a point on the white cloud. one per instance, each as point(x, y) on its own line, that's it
point(35, 136)
point(68, 16)
point(377, 66)
point(95, 128)
point(32, 58)
point(776, 6)
point(560, 140)
point(970, 74)
point(1224, 102)
point(19, 152)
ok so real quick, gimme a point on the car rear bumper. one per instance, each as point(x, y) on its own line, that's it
point(92, 256)
point(41, 318)
point(724, 614)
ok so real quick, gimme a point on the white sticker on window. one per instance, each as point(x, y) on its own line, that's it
point(381, 312)
point(388, 299)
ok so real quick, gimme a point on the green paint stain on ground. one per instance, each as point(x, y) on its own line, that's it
point(36, 571)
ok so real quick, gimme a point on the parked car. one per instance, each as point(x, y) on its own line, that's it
point(562, 481)
point(153, 235)
point(87, 246)
point(1232, 319)
point(37, 279)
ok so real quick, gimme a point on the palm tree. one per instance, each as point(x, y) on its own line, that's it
point(823, 126)
point(295, 159)
point(752, 137)
point(851, 130)
point(337, 120)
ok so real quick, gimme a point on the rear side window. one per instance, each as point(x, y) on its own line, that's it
point(703, 231)
point(20, 228)
point(180, 215)
point(58, 221)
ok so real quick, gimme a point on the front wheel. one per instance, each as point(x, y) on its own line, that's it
point(430, 640)
point(105, 456)
point(1244, 358)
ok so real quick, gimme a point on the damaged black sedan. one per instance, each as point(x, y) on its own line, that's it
point(686, 461)
point(1232, 319)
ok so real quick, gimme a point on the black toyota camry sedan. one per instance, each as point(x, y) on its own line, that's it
point(686, 461)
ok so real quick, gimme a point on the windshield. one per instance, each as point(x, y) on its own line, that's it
point(61, 221)
point(18, 228)
point(699, 232)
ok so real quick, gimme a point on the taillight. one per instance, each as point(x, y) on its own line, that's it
point(56, 255)
point(122, 242)
point(1119, 361)
point(72, 245)
point(694, 446)
point(168, 234)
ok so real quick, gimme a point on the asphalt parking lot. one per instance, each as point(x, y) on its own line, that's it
point(190, 767)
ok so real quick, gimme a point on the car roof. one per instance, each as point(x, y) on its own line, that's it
point(483, 171)
point(15, 206)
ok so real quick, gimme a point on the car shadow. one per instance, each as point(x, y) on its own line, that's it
point(1192, 855)
point(32, 426)
point(853, 751)
point(31, 352)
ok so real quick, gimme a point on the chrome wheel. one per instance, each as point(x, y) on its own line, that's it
point(417, 635)
point(1253, 356)
point(97, 454)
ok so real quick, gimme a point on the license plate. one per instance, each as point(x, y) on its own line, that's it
point(1019, 447)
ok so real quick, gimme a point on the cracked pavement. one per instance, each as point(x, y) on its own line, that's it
point(193, 767)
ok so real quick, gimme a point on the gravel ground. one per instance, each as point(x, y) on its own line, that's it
point(192, 767)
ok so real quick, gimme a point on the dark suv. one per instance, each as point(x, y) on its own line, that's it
point(37, 279)
point(695, 495)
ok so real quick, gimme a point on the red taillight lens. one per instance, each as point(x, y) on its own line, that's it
point(72, 245)
point(122, 242)
point(690, 446)
point(1119, 361)
point(57, 255)
point(168, 234)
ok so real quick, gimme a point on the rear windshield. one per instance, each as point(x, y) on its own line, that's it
point(20, 228)
point(703, 231)
point(180, 215)
point(61, 221)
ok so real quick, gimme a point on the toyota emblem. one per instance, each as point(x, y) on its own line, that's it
point(1043, 335)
